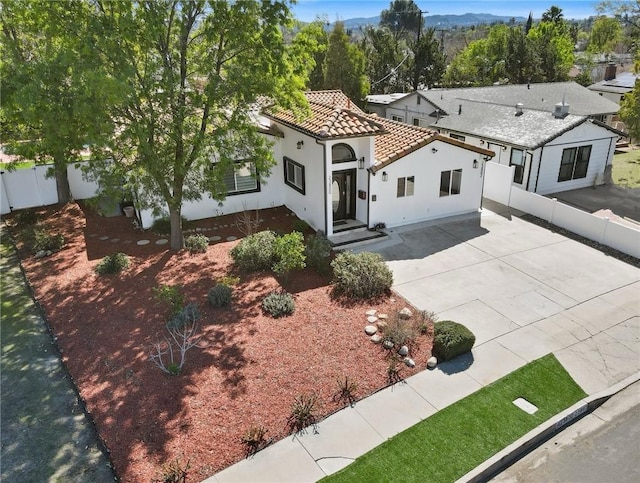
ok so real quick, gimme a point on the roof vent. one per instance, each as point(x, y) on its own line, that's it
point(519, 107)
point(561, 110)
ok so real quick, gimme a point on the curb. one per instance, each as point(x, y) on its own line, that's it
point(544, 432)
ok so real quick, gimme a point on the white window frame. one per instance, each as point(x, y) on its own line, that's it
point(453, 180)
point(405, 186)
point(519, 163)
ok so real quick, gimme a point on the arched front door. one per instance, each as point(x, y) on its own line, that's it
point(343, 192)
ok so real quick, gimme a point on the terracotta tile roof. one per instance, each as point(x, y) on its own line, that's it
point(401, 139)
point(328, 122)
point(334, 98)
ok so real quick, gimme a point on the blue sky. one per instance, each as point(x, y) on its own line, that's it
point(307, 10)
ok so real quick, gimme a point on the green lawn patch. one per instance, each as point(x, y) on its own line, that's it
point(458, 438)
point(626, 169)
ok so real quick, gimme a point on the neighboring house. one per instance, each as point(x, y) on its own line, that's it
point(341, 168)
point(614, 87)
point(552, 133)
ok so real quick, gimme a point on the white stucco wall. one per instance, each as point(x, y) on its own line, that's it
point(426, 203)
point(602, 143)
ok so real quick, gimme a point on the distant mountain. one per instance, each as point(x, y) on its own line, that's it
point(465, 20)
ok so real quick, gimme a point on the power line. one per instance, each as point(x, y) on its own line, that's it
point(393, 71)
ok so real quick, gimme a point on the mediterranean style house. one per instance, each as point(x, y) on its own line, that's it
point(340, 169)
point(555, 134)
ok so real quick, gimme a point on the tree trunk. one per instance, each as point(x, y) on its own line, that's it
point(62, 181)
point(177, 238)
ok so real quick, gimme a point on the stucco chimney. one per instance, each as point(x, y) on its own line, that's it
point(610, 71)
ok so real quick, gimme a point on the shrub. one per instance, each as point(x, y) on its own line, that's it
point(43, 240)
point(26, 218)
point(196, 243)
point(317, 252)
point(347, 389)
point(254, 438)
point(255, 252)
point(174, 472)
point(113, 264)
point(247, 222)
point(288, 251)
point(170, 295)
point(278, 304)
point(299, 226)
point(451, 339)
point(229, 280)
point(393, 370)
point(400, 331)
point(303, 412)
point(220, 295)
point(187, 315)
point(360, 275)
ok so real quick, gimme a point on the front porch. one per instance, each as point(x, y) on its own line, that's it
point(349, 233)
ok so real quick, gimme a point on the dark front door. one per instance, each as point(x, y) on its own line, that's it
point(343, 192)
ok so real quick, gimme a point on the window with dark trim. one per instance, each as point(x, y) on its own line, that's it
point(342, 153)
point(397, 118)
point(294, 175)
point(450, 182)
point(517, 160)
point(574, 163)
point(459, 137)
point(406, 186)
point(242, 179)
point(419, 100)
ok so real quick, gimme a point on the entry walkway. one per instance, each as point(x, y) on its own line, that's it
point(522, 289)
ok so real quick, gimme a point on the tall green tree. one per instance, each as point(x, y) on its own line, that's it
point(54, 89)
point(428, 63)
point(313, 39)
point(630, 111)
point(605, 35)
point(553, 48)
point(191, 73)
point(402, 17)
point(344, 66)
point(387, 60)
point(520, 58)
point(553, 14)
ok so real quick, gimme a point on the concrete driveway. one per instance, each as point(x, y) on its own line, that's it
point(525, 292)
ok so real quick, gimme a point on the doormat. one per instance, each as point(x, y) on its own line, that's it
point(341, 222)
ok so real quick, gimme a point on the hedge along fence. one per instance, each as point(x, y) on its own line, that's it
point(30, 187)
point(608, 232)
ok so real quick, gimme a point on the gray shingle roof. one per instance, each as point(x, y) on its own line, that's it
point(543, 97)
point(530, 130)
point(622, 84)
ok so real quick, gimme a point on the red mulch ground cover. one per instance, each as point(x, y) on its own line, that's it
point(250, 369)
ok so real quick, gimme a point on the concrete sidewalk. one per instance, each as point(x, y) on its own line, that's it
point(523, 290)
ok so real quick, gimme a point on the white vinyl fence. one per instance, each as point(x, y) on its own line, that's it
point(28, 188)
point(498, 187)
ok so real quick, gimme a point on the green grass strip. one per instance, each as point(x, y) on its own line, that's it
point(458, 438)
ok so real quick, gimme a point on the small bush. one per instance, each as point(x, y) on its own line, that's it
point(220, 295)
point(400, 331)
point(303, 412)
point(317, 252)
point(347, 389)
point(113, 264)
point(300, 226)
point(170, 295)
point(196, 243)
point(278, 304)
point(174, 472)
point(255, 252)
point(229, 280)
point(26, 218)
point(451, 339)
point(254, 438)
point(189, 314)
point(43, 240)
point(393, 370)
point(360, 275)
point(288, 251)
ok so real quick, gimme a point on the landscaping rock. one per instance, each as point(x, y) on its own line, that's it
point(370, 329)
point(432, 362)
point(404, 350)
point(371, 312)
point(381, 324)
point(409, 362)
point(40, 254)
point(371, 319)
point(376, 338)
point(388, 344)
point(383, 316)
point(405, 313)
